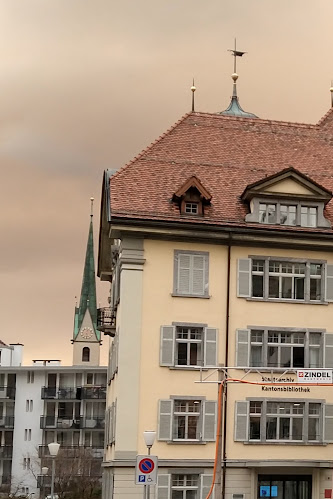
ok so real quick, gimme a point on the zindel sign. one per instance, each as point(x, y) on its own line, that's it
point(314, 376)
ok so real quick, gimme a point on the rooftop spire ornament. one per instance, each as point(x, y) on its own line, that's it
point(193, 89)
point(91, 207)
point(234, 108)
point(331, 90)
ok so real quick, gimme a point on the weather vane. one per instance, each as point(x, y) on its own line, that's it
point(193, 89)
point(236, 53)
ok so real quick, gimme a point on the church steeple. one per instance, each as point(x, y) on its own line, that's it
point(86, 313)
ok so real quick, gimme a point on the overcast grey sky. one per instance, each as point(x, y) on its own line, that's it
point(85, 85)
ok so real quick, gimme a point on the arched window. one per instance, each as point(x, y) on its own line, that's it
point(85, 354)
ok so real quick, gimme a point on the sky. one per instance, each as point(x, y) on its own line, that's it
point(86, 85)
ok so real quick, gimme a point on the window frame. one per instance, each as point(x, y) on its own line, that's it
point(176, 276)
point(307, 345)
point(308, 278)
point(256, 211)
point(187, 414)
point(304, 418)
point(185, 488)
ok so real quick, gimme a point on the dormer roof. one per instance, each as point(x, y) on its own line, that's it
point(286, 184)
point(193, 182)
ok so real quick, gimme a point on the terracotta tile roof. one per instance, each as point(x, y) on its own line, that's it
point(226, 154)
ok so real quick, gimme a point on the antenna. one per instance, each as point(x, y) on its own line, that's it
point(193, 89)
point(92, 207)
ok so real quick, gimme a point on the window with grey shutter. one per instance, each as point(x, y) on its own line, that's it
point(241, 421)
point(328, 350)
point(210, 359)
point(329, 283)
point(191, 273)
point(328, 422)
point(242, 347)
point(167, 346)
point(209, 421)
point(206, 483)
point(163, 486)
point(165, 419)
point(244, 278)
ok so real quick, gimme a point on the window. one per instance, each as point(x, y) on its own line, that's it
point(185, 487)
point(288, 214)
point(26, 463)
point(190, 274)
point(187, 419)
point(191, 208)
point(85, 354)
point(29, 405)
point(188, 345)
point(30, 376)
point(271, 278)
point(279, 421)
point(294, 349)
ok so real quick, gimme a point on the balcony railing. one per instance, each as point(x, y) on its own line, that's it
point(65, 423)
point(7, 392)
point(73, 451)
point(105, 321)
point(93, 392)
point(7, 422)
point(6, 451)
point(61, 393)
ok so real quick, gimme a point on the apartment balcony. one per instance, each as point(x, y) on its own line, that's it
point(60, 393)
point(6, 451)
point(106, 321)
point(93, 392)
point(7, 392)
point(7, 422)
point(73, 451)
point(65, 423)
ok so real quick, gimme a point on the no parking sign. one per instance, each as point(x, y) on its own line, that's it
point(146, 470)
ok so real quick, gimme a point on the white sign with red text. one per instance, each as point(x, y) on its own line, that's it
point(314, 376)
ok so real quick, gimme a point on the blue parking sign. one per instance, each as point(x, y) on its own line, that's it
point(142, 478)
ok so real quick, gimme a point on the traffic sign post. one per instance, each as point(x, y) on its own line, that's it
point(146, 470)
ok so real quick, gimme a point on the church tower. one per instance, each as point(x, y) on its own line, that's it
point(86, 337)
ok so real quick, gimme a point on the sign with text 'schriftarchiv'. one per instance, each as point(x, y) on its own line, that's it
point(314, 376)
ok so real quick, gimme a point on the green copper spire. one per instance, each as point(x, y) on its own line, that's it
point(88, 302)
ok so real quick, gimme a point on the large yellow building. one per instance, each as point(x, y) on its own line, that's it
point(217, 240)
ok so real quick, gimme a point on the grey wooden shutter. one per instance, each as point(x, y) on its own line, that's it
point(241, 421)
point(328, 422)
point(167, 346)
point(242, 347)
point(165, 419)
point(114, 415)
point(244, 278)
point(328, 350)
point(210, 349)
point(107, 423)
point(198, 275)
point(163, 486)
point(184, 273)
point(209, 421)
point(205, 485)
point(329, 283)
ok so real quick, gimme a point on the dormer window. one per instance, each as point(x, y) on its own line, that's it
point(288, 198)
point(192, 208)
point(285, 214)
point(192, 198)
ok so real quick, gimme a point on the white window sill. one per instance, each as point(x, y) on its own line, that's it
point(286, 300)
point(285, 442)
point(179, 295)
point(186, 442)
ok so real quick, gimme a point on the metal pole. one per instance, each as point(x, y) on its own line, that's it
point(218, 476)
point(148, 486)
point(52, 479)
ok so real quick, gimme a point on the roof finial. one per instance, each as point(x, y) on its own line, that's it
point(91, 207)
point(331, 90)
point(234, 108)
point(193, 89)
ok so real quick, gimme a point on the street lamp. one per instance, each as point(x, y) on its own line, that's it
point(53, 450)
point(45, 471)
point(149, 438)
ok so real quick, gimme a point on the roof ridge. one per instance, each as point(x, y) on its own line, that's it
point(146, 149)
point(257, 120)
point(324, 118)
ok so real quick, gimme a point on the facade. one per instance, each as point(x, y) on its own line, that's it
point(217, 240)
point(46, 402)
